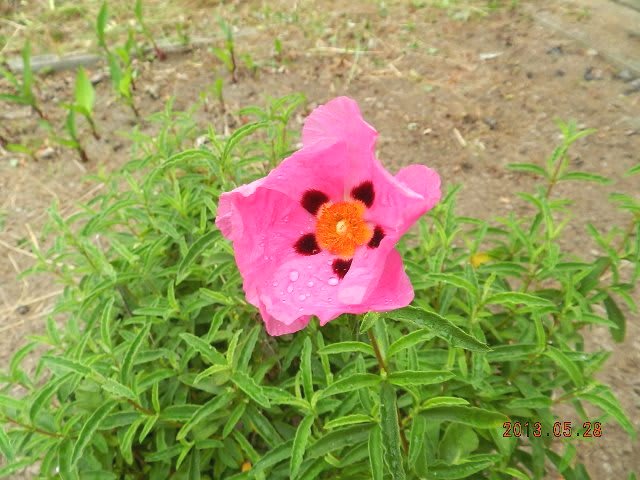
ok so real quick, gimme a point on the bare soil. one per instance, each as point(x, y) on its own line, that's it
point(464, 97)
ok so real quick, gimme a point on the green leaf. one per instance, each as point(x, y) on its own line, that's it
point(350, 383)
point(148, 426)
point(85, 96)
point(528, 168)
point(196, 249)
point(127, 441)
point(464, 470)
point(85, 437)
point(409, 378)
point(216, 297)
point(391, 432)
point(249, 343)
point(440, 326)
point(206, 350)
point(204, 411)
point(508, 353)
point(234, 418)
point(45, 393)
point(443, 401)
point(132, 351)
point(101, 24)
point(105, 324)
point(515, 298)
point(566, 364)
point(368, 321)
point(10, 468)
point(531, 402)
point(410, 340)
point(212, 370)
point(476, 417)
point(454, 280)
point(613, 408)
point(457, 443)
point(376, 454)
point(138, 10)
point(585, 177)
point(27, 74)
point(251, 388)
point(273, 457)
point(116, 388)
point(338, 439)
point(348, 347)
point(416, 440)
point(616, 316)
point(5, 445)
point(10, 402)
point(66, 365)
point(305, 367)
point(238, 135)
point(352, 419)
point(635, 170)
point(300, 444)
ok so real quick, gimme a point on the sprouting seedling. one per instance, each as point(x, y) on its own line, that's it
point(215, 91)
point(250, 64)
point(101, 25)
point(24, 94)
point(218, 92)
point(227, 54)
point(146, 32)
point(277, 49)
point(85, 97)
point(119, 60)
point(74, 140)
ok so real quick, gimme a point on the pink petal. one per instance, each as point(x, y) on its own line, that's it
point(423, 181)
point(276, 328)
point(339, 120)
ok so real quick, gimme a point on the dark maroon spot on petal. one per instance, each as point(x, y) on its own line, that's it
point(307, 245)
point(364, 192)
point(312, 200)
point(341, 267)
point(378, 235)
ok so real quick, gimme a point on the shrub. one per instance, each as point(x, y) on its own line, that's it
point(162, 370)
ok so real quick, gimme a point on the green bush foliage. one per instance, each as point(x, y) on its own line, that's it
point(157, 368)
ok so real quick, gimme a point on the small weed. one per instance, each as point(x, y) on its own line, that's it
point(23, 88)
point(227, 54)
point(160, 54)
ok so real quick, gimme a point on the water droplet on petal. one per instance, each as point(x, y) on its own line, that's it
point(333, 281)
point(290, 288)
point(293, 276)
point(310, 283)
point(329, 262)
point(275, 284)
point(329, 299)
point(302, 297)
point(300, 309)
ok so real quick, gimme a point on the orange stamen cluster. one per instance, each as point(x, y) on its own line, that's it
point(341, 228)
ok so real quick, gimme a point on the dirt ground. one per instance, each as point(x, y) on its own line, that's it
point(465, 97)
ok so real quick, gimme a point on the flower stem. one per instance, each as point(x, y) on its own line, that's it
point(376, 350)
point(383, 367)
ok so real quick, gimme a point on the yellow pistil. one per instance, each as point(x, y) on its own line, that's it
point(341, 228)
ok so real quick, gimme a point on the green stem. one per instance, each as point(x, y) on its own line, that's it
point(383, 367)
point(376, 350)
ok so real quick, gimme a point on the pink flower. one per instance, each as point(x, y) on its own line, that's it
point(316, 236)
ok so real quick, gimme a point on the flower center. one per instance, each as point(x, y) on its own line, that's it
point(341, 228)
